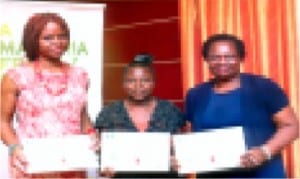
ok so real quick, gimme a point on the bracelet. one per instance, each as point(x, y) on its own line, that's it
point(266, 152)
point(13, 147)
point(91, 130)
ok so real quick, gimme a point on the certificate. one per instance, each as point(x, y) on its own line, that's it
point(65, 153)
point(212, 150)
point(135, 151)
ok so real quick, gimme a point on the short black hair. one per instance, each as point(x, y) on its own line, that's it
point(141, 60)
point(239, 44)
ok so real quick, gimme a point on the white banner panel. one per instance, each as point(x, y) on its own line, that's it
point(86, 45)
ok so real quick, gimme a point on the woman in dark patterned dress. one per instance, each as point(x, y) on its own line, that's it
point(140, 111)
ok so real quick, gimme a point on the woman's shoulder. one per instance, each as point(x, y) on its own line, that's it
point(111, 109)
point(77, 69)
point(22, 66)
point(20, 70)
point(166, 104)
point(258, 80)
point(78, 75)
point(200, 89)
point(113, 106)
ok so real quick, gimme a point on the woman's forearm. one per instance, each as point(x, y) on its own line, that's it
point(8, 134)
point(284, 136)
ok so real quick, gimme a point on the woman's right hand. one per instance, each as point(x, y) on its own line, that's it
point(18, 160)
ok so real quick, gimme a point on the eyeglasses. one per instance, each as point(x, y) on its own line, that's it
point(218, 58)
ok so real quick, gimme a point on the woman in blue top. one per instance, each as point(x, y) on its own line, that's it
point(254, 102)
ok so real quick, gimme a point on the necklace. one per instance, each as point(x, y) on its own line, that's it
point(52, 86)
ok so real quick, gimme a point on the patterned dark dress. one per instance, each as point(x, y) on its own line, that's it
point(165, 118)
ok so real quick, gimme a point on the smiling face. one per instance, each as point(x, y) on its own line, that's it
point(138, 83)
point(223, 60)
point(53, 41)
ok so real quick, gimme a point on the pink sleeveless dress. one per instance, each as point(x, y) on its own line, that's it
point(49, 105)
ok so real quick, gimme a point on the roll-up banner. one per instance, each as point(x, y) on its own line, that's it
point(86, 45)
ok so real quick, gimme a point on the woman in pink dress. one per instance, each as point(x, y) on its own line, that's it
point(47, 96)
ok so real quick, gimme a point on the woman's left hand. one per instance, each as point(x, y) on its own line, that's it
point(253, 158)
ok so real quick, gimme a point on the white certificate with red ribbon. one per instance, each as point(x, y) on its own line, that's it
point(212, 150)
point(66, 153)
point(135, 151)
